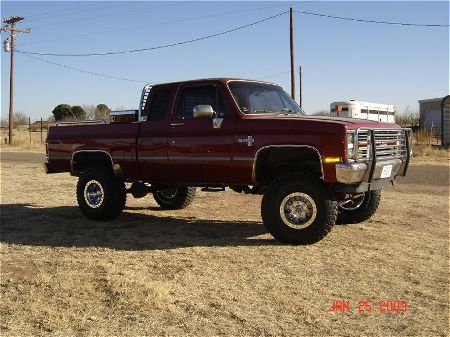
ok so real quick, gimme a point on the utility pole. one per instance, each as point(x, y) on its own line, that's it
point(12, 30)
point(291, 16)
point(300, 85)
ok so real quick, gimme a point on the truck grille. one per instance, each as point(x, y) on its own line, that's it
point(389, 144)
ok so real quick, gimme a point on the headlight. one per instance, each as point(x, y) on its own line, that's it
point(350, 144)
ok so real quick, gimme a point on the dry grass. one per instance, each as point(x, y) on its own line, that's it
point(212, 269)
point(21, 140)
point(424, 137)
point(429, 153)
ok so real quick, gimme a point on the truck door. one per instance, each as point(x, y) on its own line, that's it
point(152, 138)
point(199, 152)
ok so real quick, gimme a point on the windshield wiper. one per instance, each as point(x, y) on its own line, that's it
point(286, 111)
point(263, 111)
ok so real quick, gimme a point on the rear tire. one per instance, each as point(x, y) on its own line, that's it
point(360, 211)
point(175, 197)
point(298, 208)
point(100, 195)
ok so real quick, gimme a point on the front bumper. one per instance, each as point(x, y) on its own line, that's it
point(350, 173)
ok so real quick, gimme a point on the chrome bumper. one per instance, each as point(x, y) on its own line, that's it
point(350, 173)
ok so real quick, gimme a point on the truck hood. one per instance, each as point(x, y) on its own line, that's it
point(348, 123)
point(353, 123)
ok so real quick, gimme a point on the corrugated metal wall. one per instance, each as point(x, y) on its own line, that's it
point(445, 133)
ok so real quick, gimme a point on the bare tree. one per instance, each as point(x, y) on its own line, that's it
point(407, 118)
point(4, 123)
point(20, 118)
point(90, 111)
point(321, 113)
point(101, 111)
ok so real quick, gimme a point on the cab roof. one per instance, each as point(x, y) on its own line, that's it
point(224, 80)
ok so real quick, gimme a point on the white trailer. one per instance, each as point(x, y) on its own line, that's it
point(363, 110)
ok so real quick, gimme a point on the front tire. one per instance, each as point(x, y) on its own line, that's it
point(100, 195)
point(175, 197)
point(360, 209)
point(298, 208)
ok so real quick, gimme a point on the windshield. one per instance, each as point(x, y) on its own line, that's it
point(257, 98)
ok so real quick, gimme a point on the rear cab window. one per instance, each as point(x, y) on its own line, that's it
point(158, 106)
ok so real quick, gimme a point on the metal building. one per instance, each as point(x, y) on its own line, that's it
point(445, 118)
point(430, 114)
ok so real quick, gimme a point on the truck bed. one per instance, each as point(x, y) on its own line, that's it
point(117, 140)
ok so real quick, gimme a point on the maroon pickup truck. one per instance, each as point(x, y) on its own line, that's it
point(249, 136)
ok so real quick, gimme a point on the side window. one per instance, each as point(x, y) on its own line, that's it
point(204, 95)
point(159, 105)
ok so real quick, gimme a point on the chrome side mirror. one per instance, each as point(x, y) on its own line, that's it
point(203, 111)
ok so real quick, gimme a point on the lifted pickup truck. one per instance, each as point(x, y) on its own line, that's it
point(246, 135)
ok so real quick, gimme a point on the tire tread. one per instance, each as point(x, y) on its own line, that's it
point(115, 200)
point(308, 235)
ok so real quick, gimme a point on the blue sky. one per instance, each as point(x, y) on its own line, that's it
point(341, 60)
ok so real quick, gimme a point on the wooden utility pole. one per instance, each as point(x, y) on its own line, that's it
point(291, 16)
point(300, 86)
point(13, 31)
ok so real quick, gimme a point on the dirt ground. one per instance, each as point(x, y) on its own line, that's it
point(212, 269)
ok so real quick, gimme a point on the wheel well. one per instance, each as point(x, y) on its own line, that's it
point(84, 159)
point(272, 162)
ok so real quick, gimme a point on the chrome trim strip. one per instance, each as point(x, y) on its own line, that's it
point(58, 158)
point(124, 158)
point(196, 158)
point(153, 158)
point(80, 122)
point(268, 146)
point(243, 158)
point(200, 158)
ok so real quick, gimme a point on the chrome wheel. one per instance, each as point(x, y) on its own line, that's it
point(298, 210)
point(353, 203)
point(93, 194)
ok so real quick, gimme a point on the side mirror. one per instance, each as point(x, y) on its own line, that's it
point(203, 111)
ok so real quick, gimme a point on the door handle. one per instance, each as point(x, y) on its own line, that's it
point(176, 124)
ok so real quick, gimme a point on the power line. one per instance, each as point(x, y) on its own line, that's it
point(372, 21)
point(123, 78)
point(152, 24)
point(109, 14)
point(161, 46)
point(82, 70)
point(273, 75)
point(66, 11)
